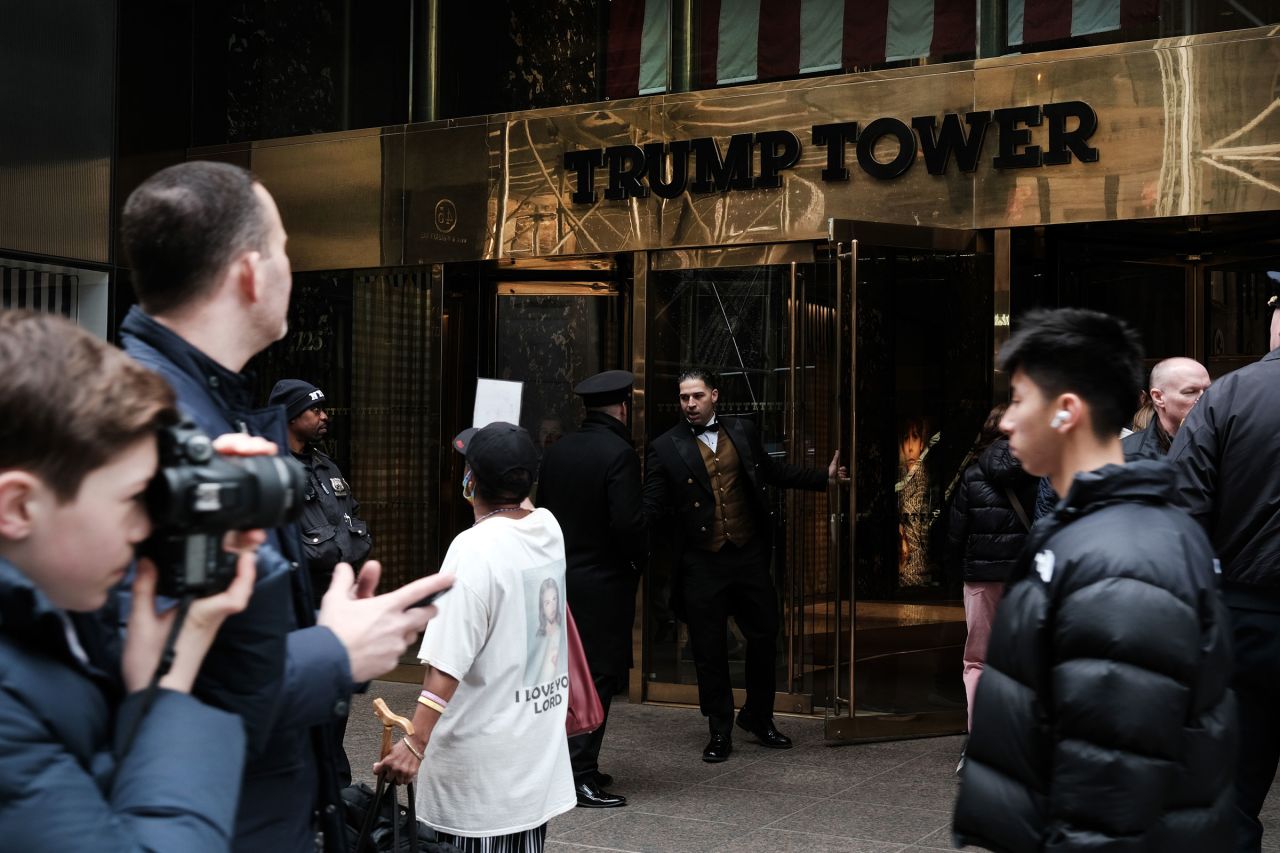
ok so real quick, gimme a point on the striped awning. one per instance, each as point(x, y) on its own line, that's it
point(745, 41)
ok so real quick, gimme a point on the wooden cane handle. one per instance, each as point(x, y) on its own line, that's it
point(391, 719)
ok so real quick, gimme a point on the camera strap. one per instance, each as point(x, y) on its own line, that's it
point(167, 656)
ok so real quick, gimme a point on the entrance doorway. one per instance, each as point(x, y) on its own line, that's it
point(879, 345)
point(1192, 286)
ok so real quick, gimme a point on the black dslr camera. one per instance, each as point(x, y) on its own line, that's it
point(197, 496)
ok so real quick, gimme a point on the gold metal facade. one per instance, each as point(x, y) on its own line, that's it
point(1186, 126)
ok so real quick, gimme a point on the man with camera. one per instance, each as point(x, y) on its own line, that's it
point(207, 249)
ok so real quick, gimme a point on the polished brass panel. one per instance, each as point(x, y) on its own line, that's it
point(446, 195)
point(639, 415)
point(1184, 129)
point(530, 190)
point(597, 263)
point(733, 256)
point(329, 192)
point(1187, 126)
point(556, 288)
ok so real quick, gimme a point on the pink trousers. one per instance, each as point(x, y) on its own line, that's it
point(980, 602)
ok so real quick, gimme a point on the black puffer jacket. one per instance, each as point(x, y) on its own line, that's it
point(1103, 720)
point(1226, 454)
point(985, 535)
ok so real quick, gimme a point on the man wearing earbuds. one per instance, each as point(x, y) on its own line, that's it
point(1103, 720)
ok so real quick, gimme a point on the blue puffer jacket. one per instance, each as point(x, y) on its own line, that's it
point(62, 785)
point(286, 677)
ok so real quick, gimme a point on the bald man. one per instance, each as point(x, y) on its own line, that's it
point(1176, 385)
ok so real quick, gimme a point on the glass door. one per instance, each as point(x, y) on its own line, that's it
point(917, 350)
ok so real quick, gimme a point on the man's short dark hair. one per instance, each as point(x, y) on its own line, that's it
point(512, 487)
point(1073, 350)
point(702, 374)
point(183, 225)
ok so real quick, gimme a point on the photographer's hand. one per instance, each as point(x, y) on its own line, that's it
point(147, 631)
point(375, 630)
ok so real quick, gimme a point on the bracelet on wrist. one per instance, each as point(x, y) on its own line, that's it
point(409, 744)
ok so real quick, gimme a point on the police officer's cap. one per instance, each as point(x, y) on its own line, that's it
point(296, 396)
point(604, 389)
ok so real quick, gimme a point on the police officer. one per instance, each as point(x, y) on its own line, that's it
point(332, 533)
point(590, 480)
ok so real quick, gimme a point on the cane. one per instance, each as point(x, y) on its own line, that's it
point(389, 721)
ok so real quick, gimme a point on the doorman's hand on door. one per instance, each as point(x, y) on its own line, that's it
point(836, 472)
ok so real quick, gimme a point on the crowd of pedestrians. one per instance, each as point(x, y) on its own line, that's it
point(1121, 586)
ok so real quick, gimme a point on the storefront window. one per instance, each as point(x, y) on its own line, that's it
point(1035, 25)
point(77, 294)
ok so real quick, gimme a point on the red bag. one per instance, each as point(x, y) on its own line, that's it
point(586, 714)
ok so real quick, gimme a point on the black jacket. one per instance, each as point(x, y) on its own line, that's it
point(332, 530)
point(1144, 444)
point(1227, 456)
point(590, 481)
point(676, 481)
point(985, 535)
point(1103, 720)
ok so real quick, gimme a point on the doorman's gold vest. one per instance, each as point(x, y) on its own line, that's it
point(728, 484)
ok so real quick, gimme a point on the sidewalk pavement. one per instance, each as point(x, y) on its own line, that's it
point(867, 798)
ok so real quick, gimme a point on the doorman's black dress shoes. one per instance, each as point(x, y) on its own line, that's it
point(591, 796)
point(718, 749)
point(765, 732)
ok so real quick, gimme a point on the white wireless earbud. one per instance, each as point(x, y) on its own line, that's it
point(1059, 419)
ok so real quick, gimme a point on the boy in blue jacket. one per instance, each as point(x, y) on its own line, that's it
point(84, 765)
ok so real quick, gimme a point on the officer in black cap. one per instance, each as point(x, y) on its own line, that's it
point(590, 480)
point(332, 532)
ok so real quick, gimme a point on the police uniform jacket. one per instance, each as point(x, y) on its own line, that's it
point(590, 481)
point(332, 531)
point(676, 482)
point(1226, 454)
point(271, 664)
point(1103, 720)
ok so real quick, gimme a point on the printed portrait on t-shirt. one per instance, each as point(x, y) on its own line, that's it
point(548, 646)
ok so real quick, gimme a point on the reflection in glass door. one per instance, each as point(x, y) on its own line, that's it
point(921, 370)
point(881, 348)
point(735, 322)
point(551, 336)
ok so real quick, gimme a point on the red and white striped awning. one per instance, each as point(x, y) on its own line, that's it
point(744, 41)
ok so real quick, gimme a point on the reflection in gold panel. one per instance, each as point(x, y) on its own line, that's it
point(532, 211)
point(1185, 126)
point(329, 191)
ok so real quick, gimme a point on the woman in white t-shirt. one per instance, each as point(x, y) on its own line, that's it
point(489, 751)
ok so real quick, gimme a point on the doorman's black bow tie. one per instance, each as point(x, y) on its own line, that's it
point(699, 430)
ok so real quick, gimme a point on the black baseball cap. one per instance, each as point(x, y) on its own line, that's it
point(296, 396)
point(462, 439)
point(495, 451)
